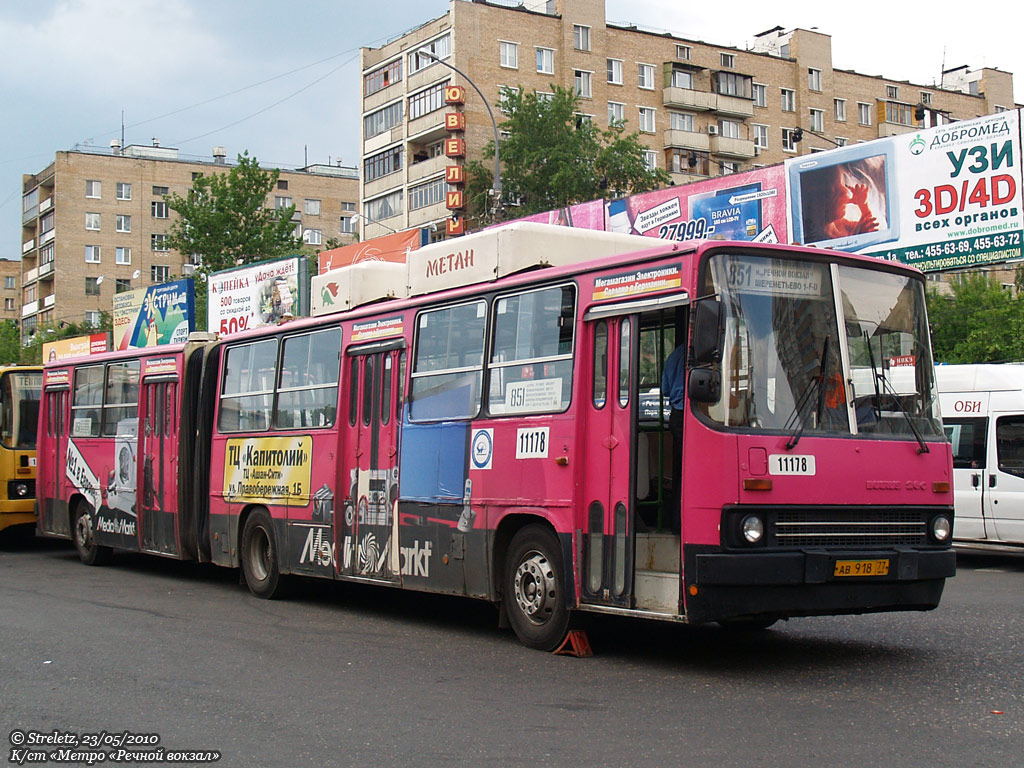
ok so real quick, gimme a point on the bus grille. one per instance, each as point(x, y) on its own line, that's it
point(850, 528)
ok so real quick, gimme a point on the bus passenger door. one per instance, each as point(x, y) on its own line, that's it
point(607, 504)
point(1005, 491)
point(53, 513)
point(157, 467)
point(367, 537)
point(969, 438)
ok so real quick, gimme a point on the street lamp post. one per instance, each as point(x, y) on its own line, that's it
point(496, 186)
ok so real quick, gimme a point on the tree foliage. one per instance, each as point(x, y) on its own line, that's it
point(979, 322)
point(225, 219)
point(551, 158)
point(12, 351)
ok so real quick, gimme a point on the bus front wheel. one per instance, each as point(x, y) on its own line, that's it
point(260, 556)
point(534, 589)
point(89, 552)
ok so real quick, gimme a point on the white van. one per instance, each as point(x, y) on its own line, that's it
point(983, 414)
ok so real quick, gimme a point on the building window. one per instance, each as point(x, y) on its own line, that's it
point(159, 209)
point(122, 255)
point(731, 84)
point(683, 52)
point(30, 294)
point(840, 110)
point(840, 142)
point(729, 129)
point(159, 273)
point(581, 79)
point(546, 61)
point(122, 284)
point(92, 254)
point(347, 225)
point(688, 161)
point(161, 191)
point(682, 78)
point(544, 96)
point(863, 113)
point(427, 101)
point(158, 242)
point(760, 136)
point(281, 202)
point(312, 237)
point(926, 98)
point(348, 206)
point(92, 221)
point(615, 71)
point(92, 286)
point(505, 92)
point(382, 77)
point(384, 207)
point(440, 48)
point(681, 121)
point(580, 37)
point(92, 318)
point(312, 207)
point(616, 112)
point(646, 119)
point(729, 166)
point(900, 114)
point(759, 92)
point(817, 120)
point(282, 184)
point(46, 223)
point(814, 79)
point(509, 55)
point(424, 195)
point(892, 92)
point(123, 223)
point(382, 164)
point(9, 282)
point(788, 145)
point(728, 60)
point(93, 189)
point(46, 254)
point(645, 76)
point(9, 304)
point(788, 100)
point(123, 191)
point(382, 120)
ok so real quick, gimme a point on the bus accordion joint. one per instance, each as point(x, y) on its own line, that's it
point(757, 484)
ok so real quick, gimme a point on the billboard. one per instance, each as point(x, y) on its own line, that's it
point(77, 346)
point(941, 198)
point(588, 215)
point(392, 247)
point(740, 206)
point(159, 314)
point(257, 294)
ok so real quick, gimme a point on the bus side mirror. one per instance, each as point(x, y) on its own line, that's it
point(707, 332)
point(704, 385)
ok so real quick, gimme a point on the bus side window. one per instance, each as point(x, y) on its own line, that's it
point(1010, 444)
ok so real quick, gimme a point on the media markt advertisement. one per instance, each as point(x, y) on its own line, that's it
point(159, 314)
point(940, 198)
point(742, 206)
point(268, 470)
point(257, 294)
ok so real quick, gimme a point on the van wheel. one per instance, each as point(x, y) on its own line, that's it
point(261, 556)
point(534, 589)
point(82, 531)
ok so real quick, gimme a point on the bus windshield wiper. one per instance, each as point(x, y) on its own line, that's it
point(890, 390)
point(816, 385)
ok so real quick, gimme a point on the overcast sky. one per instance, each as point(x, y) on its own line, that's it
point(281, 79)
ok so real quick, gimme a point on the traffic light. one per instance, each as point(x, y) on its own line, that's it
point(798, 135)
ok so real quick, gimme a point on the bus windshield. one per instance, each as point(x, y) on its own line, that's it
point(789, 364)
point(19, 408)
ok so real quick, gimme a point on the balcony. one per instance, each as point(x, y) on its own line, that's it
point(382, 140)
point(45, 270)
point(424, 168)
point(27, 246)
point(46, 205)
point(739, 148)
point(685, 98)
point(894, 129)
point(48, 300)
point(29, 309)
point(47, 237)
point(732, 105)
point(687, 140)
point(29, 216)
point(30, 276)
point(383, 184)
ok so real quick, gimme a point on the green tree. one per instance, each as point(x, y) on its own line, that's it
point(32, 352)
point(552, 157)
point(225, 219)
point(10, 342)
point(979, 322)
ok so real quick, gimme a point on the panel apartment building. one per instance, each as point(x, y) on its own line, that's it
point(95, 224)
point(702, 109)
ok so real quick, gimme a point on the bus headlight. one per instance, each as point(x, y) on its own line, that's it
point(942, 528)
point(20, 490)
point(752, 529)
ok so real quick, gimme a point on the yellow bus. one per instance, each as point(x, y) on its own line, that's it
point(19, 419)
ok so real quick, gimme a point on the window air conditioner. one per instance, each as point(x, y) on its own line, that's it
point(712, 130)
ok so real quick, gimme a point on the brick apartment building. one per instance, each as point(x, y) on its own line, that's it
point(94, 224)
point(702, 109)
point(10, 281)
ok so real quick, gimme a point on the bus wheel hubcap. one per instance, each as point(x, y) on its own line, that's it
point(83, 530)
point(259, 555)
point(535, 587)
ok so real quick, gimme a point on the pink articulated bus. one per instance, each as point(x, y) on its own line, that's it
point(489, 420)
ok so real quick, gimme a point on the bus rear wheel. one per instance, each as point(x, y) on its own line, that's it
point(260, 556)
point(82, 531)
point(534, 589)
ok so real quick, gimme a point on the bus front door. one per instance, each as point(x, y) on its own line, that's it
point(53, 511)
point(607, 508)
point(367, 537)
point(156, 466)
